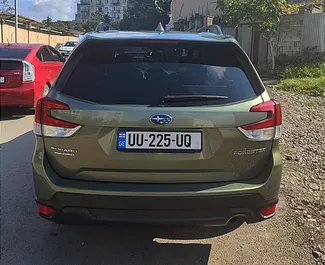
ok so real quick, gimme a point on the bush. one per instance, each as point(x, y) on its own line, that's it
point(310, 86)
point(302, 71)
point(308, 56)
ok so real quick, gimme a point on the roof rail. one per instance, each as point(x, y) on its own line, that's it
point(103, 26)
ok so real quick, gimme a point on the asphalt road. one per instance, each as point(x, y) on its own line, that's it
point(26, 239)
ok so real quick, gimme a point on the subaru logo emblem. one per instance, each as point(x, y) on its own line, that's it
point(161, 119)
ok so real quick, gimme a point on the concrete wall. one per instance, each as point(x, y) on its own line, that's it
point(33, 36)
point(300, 31)
point(313, 31)
point(296, 31)
point(289, 38)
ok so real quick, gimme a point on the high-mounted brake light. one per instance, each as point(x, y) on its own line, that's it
point(47, 125)
point(268, 129)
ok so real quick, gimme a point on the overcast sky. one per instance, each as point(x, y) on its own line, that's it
point(40, 9)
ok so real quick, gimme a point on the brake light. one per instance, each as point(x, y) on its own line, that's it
point(28, 72)
point(47, 125)
point(268, 129)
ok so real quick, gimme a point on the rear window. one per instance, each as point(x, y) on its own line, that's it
point(10, 65)
point(70, 44)
point(13, 53)
point(144, 74)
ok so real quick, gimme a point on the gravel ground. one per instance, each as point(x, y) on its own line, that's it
point(303, 151)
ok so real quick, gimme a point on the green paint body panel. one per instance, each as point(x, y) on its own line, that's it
point(227, 165)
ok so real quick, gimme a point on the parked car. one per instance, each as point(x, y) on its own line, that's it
point(67, 48)
point(212, 28)
point(27, 71)
point(58, 46)
point(186, 135)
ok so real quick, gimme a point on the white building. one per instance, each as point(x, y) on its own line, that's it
point(114, 8)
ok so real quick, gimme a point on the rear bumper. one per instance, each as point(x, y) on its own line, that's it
point(209, 210)
point(191, 203)
point(65, 53)
point(20, 96)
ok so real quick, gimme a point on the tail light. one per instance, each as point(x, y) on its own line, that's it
point(47, 125)
point(28, 72)
point(268, 211)
point(45, 210)
point(268, 129)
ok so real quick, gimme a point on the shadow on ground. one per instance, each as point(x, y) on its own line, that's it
point(132, 244)
point(27, 239)
point(14, 113)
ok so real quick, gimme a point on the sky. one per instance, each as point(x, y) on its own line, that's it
point(40, 9)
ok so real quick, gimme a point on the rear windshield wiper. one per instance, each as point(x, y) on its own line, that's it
point(191, 98)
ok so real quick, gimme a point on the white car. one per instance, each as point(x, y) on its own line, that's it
point(67, 48)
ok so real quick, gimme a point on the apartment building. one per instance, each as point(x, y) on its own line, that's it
point(114, 8)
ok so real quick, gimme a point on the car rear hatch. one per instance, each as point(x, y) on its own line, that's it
point(11, 73)
point(14, 71)
point(174, 114)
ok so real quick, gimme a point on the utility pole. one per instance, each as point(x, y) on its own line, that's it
point(16, 21)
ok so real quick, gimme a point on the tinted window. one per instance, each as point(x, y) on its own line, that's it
point(55, 55)
point(70, 44)
point(14, 53)
point(47, 55)
point(145, 74)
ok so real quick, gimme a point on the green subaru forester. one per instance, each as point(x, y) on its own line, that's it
point(152, 127)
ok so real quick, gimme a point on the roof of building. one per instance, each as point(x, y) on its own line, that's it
point(21, 19)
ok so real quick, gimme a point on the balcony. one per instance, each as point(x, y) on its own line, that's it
point(116, 3)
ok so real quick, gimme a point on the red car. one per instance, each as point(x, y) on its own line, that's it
point(27, 71)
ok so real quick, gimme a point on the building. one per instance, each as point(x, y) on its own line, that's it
point(114, 8)
point(188, 8)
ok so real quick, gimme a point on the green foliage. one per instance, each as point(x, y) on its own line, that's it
point(47, 21)
point(78, 27)
point(310, 86)
point(263, 14)
point(145, 14)
point(302, 71)
point(180, 24)
point(64, 26)
point(308, 56)
point(5, 7)
point(307, 63)
point(94, 20)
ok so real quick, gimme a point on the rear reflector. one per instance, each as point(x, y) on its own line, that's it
point(47, 125)
point(269, 211)
point(45, 210)
point(268, 129)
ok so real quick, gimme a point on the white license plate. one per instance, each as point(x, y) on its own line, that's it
point(2, 79)
point(159, 141)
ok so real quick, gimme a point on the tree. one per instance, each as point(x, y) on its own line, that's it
point(145, 14)
point(78, 27)
point(94, 20)
point(47, 21)
point(5, 7)
point(263, 15)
